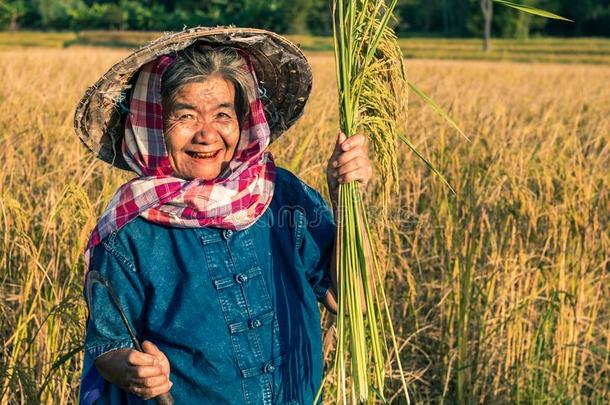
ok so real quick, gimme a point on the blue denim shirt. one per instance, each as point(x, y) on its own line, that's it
point(235, 312)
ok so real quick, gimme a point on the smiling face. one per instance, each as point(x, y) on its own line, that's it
point(201, 128)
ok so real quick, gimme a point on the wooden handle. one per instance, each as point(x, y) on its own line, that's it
point(165, 399)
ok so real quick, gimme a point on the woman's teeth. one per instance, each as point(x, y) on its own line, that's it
point(202, 155)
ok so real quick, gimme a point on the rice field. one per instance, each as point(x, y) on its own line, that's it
point(500, 293)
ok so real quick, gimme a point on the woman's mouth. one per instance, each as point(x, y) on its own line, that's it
point(203, 155)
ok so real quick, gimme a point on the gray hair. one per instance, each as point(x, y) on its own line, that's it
point(198, 62)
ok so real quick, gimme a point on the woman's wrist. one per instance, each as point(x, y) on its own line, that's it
point(109, 365)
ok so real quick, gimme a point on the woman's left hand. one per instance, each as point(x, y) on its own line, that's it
point(349, 162)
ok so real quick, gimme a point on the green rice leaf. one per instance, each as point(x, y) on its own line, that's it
point(426, 161)
point(437, 108)
point(532, 10)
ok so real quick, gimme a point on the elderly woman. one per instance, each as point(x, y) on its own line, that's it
point(217, 256)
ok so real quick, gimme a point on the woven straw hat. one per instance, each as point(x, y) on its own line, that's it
point(283, 73)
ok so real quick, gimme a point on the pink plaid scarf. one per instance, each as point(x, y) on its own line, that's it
point(233, 200)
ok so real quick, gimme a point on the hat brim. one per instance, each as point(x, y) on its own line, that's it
point(282, 70)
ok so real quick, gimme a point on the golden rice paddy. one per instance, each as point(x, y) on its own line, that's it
point(500, 293)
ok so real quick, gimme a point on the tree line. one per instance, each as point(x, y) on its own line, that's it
point(447, 18)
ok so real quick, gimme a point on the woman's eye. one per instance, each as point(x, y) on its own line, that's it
point(185, 116)
point(223, 115)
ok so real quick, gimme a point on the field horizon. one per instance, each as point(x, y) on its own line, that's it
point(535, 49)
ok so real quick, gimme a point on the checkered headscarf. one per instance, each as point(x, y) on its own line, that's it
point(233, 200)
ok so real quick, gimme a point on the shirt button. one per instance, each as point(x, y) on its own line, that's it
point(226, 234)
point(255, 323)
point(268, 368)
point(241, 278)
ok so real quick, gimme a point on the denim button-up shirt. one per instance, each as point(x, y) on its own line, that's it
point(235, 312)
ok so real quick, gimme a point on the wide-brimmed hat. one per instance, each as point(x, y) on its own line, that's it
point(283, 73)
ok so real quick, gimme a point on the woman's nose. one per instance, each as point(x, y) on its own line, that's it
point(204, 133)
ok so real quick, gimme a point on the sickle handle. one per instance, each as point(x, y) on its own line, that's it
point(94, 277)
point(165, 399)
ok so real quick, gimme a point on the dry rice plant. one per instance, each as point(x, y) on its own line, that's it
point(501, 292)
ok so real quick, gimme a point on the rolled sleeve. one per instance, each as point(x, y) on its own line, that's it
point(96, 351)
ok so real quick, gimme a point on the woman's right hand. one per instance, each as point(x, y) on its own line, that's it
point(145, 374)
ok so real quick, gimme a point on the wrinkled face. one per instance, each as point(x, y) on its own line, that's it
point(201, 128)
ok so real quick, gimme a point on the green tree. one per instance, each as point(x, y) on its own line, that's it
point(142, 16)
point(448, 18)
point(11, 11)
point(294, 14)
point(319, 18)
point(580, 11)
point(59, 14)
point(439, 17)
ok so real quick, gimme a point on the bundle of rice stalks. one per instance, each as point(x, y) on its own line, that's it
point(372, 96)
